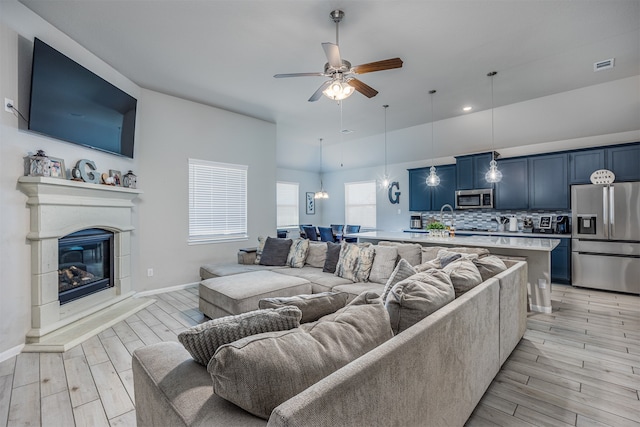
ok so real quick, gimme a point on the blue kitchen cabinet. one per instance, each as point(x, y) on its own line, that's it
point(624, 161)
point(445, 193)
point(583, 163)
point(470, 171)
point(419, 193)
point(561, 262)
point(548, 181)
point(513, 191)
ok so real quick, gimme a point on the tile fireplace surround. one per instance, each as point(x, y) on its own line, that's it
point(60, 207)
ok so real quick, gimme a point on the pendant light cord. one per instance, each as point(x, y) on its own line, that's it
point(385, 139)
point(432, 92)
point(493, 143)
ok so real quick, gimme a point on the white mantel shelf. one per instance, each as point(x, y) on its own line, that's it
point(537, 252)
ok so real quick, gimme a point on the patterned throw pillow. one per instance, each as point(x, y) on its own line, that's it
point(384, 262)
point(403, 270)
point(355, 262)
point(261, 242)
point(298, 253)
point(202, 340)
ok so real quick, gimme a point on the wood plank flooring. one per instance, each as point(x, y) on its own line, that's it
point(579, 366)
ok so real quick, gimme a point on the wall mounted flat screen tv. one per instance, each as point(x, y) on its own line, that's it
point(71, 103)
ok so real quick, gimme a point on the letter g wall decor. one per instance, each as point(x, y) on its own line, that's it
point(394, 196)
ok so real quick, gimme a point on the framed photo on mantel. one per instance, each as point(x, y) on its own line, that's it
point(311, 204)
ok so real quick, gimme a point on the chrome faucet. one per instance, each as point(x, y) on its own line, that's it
point(453, 214)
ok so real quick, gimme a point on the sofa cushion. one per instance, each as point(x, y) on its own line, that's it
point(333, 253)
point(202, 341)
point(413, 299)
point(428, 265)
point(464, 275)
point(412, 252)
point(317, 254)
point(313, 306)
point(260, 372)
point(402, 271)
point(489, 266)
point(260, 248)
point(355, 262)
point(298, 253)
point(275, 251)
point(384, 262)
point(429, 253)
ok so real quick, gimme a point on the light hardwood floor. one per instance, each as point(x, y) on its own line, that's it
point(579, 366)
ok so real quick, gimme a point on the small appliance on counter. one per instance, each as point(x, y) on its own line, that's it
point(562, 224)
point(416, 222)
point(546, 225)
point(513, 223)
point(527, 224)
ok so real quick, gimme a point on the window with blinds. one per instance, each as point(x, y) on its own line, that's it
point(360, 203)
point(287, 200)
point(217, 201)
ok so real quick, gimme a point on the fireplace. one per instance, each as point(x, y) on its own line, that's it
point(85, 263)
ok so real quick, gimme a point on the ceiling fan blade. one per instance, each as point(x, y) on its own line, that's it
point(363, 88)
point(318, 93)
point(386, 64)
point(333, 54)
point(279, 76)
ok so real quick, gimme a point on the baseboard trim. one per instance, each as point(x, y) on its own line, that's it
point(8, 354)
point(164, 290)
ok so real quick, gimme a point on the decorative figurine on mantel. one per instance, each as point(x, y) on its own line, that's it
point(81, 173)
point(129, 180)
point(38, 164)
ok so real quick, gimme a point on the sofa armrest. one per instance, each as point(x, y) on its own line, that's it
point(247, 255)
point(171, 389)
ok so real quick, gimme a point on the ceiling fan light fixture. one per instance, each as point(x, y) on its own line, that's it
point(338, 90)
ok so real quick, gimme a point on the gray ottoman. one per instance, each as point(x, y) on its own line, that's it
point(239, 293)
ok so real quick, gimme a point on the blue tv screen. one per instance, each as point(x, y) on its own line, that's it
point(71, 103)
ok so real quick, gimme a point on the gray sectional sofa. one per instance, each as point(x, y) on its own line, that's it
point(433, 373)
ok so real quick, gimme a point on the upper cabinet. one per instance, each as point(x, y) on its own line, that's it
point(470, 171)
point(583, 163)
point(424, 198)
point(512, 192)
point(548, 182)
point(624, 161)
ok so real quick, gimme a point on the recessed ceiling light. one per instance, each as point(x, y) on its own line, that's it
point(467, 108)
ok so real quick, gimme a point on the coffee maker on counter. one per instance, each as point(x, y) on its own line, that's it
point(562, 224)
point(416, 222)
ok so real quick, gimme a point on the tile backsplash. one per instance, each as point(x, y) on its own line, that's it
point(485, 219)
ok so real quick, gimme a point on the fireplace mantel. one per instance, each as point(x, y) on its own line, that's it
point(60, 207)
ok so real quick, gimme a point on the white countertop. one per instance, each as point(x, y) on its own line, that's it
point(503, 233)
point(545, 244)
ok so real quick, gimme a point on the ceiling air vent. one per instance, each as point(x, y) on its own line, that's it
point(603, 65)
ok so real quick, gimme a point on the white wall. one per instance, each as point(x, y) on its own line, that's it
point(173, 130)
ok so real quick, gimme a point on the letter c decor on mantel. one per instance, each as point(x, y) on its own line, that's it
point(394, 197)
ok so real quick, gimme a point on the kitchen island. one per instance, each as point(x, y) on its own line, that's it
point(537, 252)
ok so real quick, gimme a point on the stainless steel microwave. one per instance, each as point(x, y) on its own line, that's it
point(474, 199)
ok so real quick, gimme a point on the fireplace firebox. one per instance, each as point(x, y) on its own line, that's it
point(85, 263)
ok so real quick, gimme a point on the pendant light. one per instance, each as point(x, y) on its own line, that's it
point(321, 194)
point(433, 180)
point(385, 178)
point(493, 175)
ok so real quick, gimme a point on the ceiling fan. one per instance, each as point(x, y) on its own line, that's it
point(343, 83)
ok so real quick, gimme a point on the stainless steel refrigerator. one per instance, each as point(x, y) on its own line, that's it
point(605, 244)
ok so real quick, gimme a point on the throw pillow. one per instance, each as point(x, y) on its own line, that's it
point(412, 252)
point(313, 306)
point(489, 266)
point(260, 248)
point(413, 299)
point(384, 262)
point(333, 253)
point(355, 262)
point(464, 275)
point(298, 253)
point(202, 341)
point(275, 252)
point(402, 271)
point(428, 265)
point(260, 372)
point(317, 254)
point(429, 253)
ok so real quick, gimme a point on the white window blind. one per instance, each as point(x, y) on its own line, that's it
point(287, 196)
point(360, 203)
point(217, 201)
